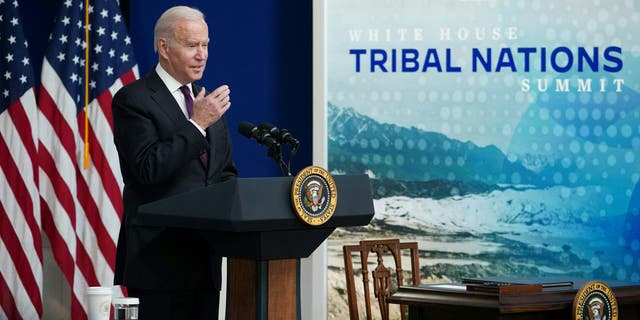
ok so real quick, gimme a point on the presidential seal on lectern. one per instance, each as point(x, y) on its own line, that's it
point(595, 301)
point(314, 195)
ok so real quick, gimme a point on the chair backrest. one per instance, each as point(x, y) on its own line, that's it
point(381, 275)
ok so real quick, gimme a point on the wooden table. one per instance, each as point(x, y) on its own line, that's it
point(454, 301)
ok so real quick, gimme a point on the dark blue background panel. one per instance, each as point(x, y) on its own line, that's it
point(261, 49)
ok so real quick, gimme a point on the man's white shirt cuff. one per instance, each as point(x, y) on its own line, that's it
point(198, 127)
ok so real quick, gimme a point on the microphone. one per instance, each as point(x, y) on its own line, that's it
point(281, 135)
point(263, 137)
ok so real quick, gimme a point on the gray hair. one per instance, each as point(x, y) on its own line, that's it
point(166, 22)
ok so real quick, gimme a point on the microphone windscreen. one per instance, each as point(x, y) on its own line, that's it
point(266, 126)
point(246, 129)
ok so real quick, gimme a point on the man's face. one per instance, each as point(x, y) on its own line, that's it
point(186, 54)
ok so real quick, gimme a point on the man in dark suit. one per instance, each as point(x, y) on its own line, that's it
point(172, 137)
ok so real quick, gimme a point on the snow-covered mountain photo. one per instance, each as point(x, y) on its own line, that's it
point(470, 225)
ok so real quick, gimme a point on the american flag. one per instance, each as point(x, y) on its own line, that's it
point(82, 208)
point(20, 237)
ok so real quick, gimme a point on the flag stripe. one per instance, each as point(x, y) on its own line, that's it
point(99, 232)
point(61, 252)
point(20, 214)
point(20, 260)
point(16, 298)
point(57, 120)
point(100, 161)
point(77, 310)
point(7, 303)
point(61, 193)
point(85, 265)
point(15, 176)
point(20, 191)
point(22, 125)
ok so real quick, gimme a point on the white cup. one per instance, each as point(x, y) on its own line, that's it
point(125, 308)
point(99, 302)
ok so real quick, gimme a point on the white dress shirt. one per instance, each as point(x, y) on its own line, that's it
point(174, 87)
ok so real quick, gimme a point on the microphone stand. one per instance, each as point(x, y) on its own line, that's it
point(275, 154)
point(292, 152)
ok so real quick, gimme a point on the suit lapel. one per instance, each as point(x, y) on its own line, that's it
point(163, 98)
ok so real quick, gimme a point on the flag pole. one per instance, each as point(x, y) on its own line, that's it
point(86, 86)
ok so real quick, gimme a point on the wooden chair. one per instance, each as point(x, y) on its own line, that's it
point(381, 275)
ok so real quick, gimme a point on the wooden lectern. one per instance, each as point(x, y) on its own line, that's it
point(252, 222)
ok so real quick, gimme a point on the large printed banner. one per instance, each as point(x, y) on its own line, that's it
point(504, 136)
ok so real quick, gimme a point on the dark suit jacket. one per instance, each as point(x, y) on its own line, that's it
point(159, 152)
